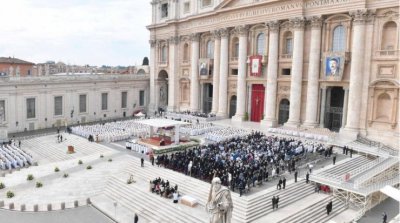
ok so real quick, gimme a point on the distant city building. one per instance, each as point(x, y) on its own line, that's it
point(10, 66)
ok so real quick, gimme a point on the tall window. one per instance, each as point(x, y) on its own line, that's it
point(3, 110)
point(339, 39)
point(141, 98)
point(235, 47)
point(261, 44)
point(82, 103)
point(186, 7)
point(164, 10)
point(288, 41)
point(30, 108)
point(185, 52)
point(104, 101)
point(58, 105)
point(206, 3)
point(389, 36)
point(164, 54)
point(210, 49)
point(124, 99)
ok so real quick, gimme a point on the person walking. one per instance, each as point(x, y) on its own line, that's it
point(351, 153)
point(295, 176)
point(329, 207)
point(284, 182)
point(384, 217)
point(136, 219)
point(334, 159)
point(142, 162)
point(273, 202)
point(279, 185)
point(307, 178)
point(277, 202)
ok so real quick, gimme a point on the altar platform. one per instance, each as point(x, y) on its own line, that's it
point(154, 144)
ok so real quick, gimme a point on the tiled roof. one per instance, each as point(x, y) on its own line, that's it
point(14, 60)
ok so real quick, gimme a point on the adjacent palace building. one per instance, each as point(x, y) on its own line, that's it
point(299, 63)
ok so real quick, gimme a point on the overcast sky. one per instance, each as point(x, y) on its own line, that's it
point(95, 32)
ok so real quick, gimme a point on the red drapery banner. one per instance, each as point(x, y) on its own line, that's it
point(256, 66)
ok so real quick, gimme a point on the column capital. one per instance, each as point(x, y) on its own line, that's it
point(152, 43)
point(362, 16)
point(173, 40)
point(215, 35)
point(195, 37)
point(242, 30)
point(297, 23)
point(273, 26)
point(224, 32)
point(316, 22)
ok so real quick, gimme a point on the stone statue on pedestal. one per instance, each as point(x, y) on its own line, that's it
point(219, 204)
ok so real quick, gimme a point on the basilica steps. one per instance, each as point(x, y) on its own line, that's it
point(151, 206)
point(316, 212)
point(352, 164)
point(186, 185)
point(261, 204)
point(375, 170)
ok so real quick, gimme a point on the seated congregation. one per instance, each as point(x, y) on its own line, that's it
point(13, 157)
point(241, 162)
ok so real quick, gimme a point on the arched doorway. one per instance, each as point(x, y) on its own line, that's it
point(232, 106)
point(162, 90)
point(334, 108)
point(284, 106)
point(257, 102)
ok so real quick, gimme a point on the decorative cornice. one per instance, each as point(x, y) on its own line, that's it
point(215, 34)
point(173, 40)
point(362, 16)
point(273, 26)
point(316, 21)
point(152, 43)
point(242, 30)
point(195, 37)
point(297, 23)
point(224, 32)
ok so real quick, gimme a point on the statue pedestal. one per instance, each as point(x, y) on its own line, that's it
point(3, 133)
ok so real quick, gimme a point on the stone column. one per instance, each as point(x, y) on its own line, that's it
point(323, 106)
point(356, 72)
point(345, 105)
point(217, 50)
point(223, 74)
point(153, 62)
point(242, 71)
point(272, 72)
point(194, 74)
point(313, 73)
point(297, 72)
point(173, 72)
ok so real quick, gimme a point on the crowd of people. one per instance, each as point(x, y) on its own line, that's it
point(198, 129)
point(226, 134)
point(12, 157)
point(164, 189)
point(241, 162)
point(112, 131)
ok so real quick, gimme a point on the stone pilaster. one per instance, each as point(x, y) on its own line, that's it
point(272, 72)
point(152, 75)
point(173, 73)
point(194, 74)
point(313, 73)
point(297, 72)
point(217, 52)
point(242, 70)
point(223, 74)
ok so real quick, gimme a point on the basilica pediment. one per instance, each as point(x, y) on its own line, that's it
point(237, 3)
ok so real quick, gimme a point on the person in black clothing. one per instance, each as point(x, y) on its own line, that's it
point(384, 217)
point(279, 184)
point(136, 220)
point(142, 162)
point(351, 153)
point(19, 143)
point(277, 202)
point(329, 207)
point(334, 159)
point(344, 150)
point(273, 202)
point(295, 176)
point(307, 178)
point(284, 182)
